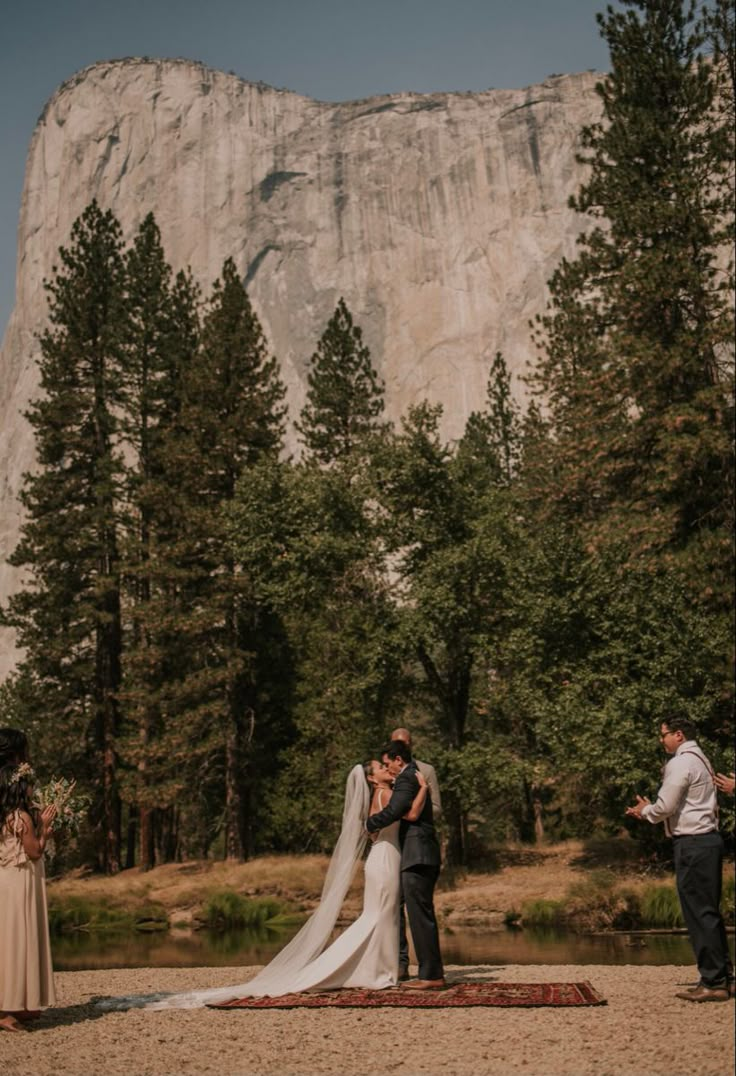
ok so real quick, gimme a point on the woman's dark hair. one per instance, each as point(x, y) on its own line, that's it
point(13, 747)
point(15, 795)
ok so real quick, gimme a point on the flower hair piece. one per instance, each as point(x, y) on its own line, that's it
point(24, 770)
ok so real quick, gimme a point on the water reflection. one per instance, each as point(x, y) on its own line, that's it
point(80, 952)
point(547, 946)
point(249, 947)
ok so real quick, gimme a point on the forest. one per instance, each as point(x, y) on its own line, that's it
point(214, 630)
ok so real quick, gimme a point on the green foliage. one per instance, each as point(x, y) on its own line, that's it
point(226, 909)
point(345, 396)
point(660, 907)
point(69, 621)
point(599, 902)
point(636, 347)
point(215, 633)
point(542, 913)
point(70, 914)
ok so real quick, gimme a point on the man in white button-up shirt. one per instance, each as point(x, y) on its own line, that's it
point(686, 803)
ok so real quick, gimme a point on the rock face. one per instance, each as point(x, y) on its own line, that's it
point(438, 217)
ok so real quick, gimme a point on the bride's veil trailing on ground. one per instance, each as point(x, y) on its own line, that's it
point(279, 977)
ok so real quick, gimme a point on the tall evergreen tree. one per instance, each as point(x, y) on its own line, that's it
point(634, 367)
point(345, 395)
point(69, 618)
point(493, 435)
point(305, 537)
point(449, 533)
point(232, 419)
point(160, 346)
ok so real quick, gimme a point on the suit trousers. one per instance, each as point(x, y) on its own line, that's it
point(403, 939)
point(698, 872)
point(417, 885)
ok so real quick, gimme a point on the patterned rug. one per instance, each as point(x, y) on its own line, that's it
point(458, 995)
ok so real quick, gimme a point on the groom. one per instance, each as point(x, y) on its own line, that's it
point(420, 863)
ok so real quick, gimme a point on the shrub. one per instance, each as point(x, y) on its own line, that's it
point(542, 913)
point(225, 908)
point(73, 913)
point(660, 907)
point(596, 903)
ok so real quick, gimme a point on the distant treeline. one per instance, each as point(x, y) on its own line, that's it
point(213, 633)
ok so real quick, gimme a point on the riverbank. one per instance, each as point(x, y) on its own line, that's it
point(643, 1028)
point(513, 878)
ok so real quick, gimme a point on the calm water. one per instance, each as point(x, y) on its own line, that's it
point(84, 951)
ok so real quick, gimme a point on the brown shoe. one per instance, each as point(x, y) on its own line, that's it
point(425, 984)
point(704, 993)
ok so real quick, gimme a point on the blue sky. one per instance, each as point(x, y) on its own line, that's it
point(326, 49)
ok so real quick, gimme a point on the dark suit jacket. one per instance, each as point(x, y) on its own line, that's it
point(419, 844)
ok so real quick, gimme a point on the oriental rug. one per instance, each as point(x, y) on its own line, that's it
point(455, 995)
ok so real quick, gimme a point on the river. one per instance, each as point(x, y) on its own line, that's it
point(79, 952)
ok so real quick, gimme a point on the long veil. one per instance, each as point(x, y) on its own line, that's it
point(280, 976)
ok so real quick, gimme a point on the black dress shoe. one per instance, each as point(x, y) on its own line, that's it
point(403, 974)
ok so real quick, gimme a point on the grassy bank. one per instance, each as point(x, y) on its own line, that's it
point(603, 902)
point(578, 885)
point(191, 895)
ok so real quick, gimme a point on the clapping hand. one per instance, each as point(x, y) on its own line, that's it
point(726, 784)
point(47, 816)
point(641, 803)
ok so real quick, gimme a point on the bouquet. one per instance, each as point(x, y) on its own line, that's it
point(71, 807)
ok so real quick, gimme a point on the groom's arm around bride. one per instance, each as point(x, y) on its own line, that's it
point(420, 862)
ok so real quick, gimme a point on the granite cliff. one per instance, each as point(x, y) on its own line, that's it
point(438, 217)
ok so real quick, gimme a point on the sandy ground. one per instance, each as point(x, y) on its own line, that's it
point(642, 1029)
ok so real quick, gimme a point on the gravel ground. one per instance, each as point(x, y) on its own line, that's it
point(642, 1029)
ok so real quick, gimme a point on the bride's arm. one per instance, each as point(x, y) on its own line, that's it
point(418, 804)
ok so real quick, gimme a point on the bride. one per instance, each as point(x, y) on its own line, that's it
point(367, 953)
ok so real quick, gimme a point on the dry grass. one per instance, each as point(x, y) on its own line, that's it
point(184, 887)
point(519, 874)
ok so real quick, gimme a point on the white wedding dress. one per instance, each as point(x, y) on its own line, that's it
point(365, 955)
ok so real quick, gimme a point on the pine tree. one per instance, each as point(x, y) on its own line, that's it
point(449, 532)
point(69, 619)
point(232, 419)
point(160, 346)
point(635, 371)
point(345, 396)
point(305, 538)
point(492, 436)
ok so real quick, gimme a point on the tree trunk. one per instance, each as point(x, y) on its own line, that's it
point(539, 837)
point(234, 845)
point(147, 845)
point(130, 839)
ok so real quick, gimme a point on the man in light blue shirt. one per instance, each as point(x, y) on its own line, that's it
point(686, 803)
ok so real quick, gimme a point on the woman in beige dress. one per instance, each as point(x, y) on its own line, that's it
point(26, 977)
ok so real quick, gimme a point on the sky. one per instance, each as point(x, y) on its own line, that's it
point(333, 50)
